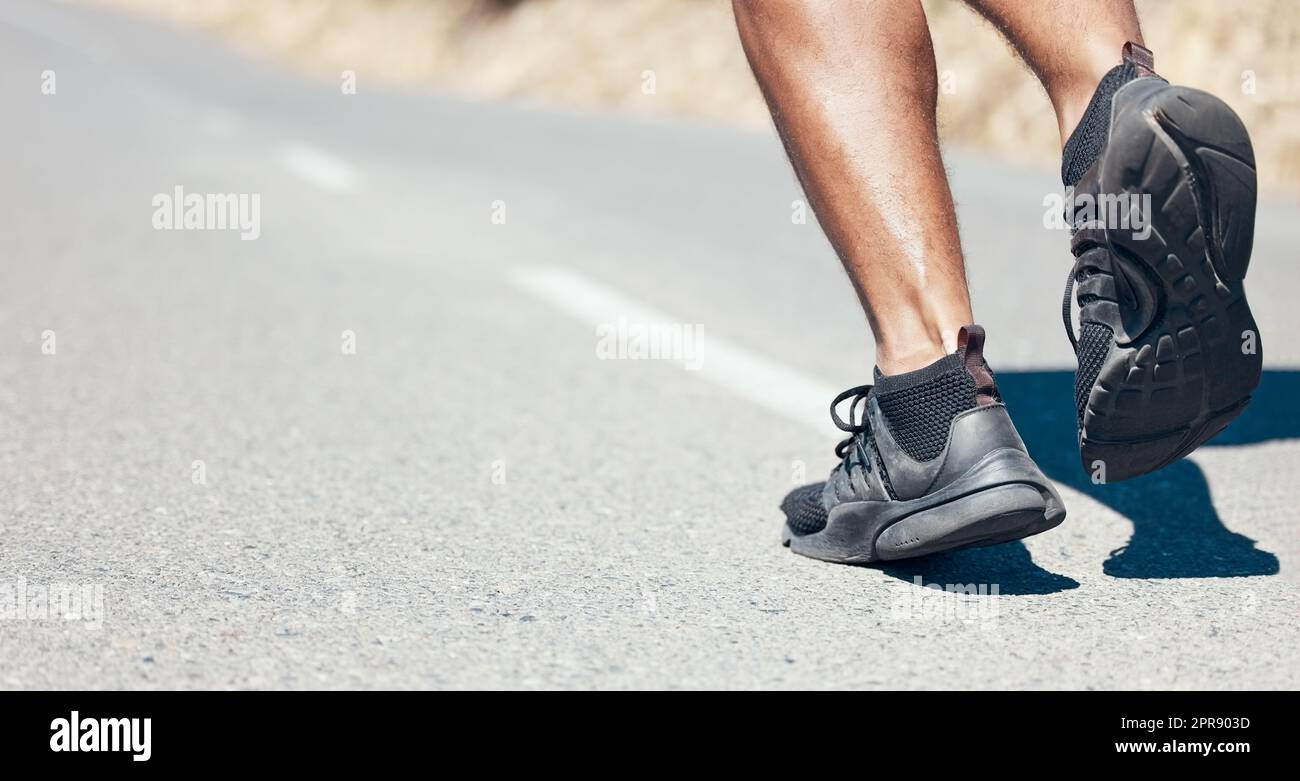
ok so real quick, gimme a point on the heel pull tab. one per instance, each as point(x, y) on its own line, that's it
point(1141, 58)
point(970, 343)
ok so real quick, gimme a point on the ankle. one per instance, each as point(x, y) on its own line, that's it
point(1072, 92)
point(900, 358)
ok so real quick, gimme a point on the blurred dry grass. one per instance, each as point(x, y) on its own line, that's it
point(594, 53)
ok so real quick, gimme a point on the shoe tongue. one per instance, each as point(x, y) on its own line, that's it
point(970, 346)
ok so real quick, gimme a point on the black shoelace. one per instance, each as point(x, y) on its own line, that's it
point(1086, 264)
point(858, 429)
point(1066, 301)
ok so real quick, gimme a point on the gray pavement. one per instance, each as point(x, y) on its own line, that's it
point(473, 498)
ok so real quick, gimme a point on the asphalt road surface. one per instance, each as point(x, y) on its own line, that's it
point(390, 442)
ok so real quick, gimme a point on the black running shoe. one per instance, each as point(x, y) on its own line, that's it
point(1168, 350)
point(935, 463)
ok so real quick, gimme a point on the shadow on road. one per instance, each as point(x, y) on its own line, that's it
point(1008, 565)
point(1177, 533)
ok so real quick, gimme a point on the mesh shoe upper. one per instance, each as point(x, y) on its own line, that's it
point(1094, 344)
point(919, 414)
point(804, 509)
point(1090, 135)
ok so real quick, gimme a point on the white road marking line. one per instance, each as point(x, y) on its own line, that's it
point(318, 167)
point(724, 363)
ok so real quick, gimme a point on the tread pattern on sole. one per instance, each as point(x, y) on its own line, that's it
point(1161, 390)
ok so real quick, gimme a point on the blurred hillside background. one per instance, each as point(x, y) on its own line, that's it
point(596, 53)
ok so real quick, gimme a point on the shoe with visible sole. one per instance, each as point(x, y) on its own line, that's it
point(934, 464)
point(1168, 350)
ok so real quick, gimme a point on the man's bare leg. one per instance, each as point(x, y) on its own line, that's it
point(852, 89)
point(931, 455)
point(1068, 44)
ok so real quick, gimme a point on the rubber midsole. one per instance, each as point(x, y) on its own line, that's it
point(857, 525)
point(987, 513)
